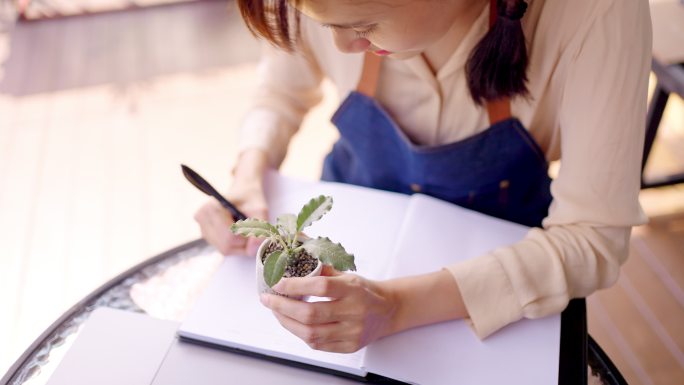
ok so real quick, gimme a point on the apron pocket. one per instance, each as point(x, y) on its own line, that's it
point(491, 199)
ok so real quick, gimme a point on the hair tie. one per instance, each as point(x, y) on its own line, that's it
point(512, 10)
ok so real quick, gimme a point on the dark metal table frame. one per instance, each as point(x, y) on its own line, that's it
point(669, 79)
point(580, 351)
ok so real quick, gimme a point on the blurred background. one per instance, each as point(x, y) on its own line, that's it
point(102, 100)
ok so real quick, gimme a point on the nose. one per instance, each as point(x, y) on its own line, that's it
point(347, 41)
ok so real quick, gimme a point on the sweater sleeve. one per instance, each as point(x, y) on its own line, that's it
point(288, 87)
point(586, 235)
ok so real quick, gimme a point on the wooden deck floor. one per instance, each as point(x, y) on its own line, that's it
point(97, 112)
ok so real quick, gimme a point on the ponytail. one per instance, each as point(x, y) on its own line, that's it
point(497, 66)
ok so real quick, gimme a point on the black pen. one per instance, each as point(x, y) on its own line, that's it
point(208, 189)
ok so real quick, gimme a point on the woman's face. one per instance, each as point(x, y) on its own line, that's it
point(396, 28)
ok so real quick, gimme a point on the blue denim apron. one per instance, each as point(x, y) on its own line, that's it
point(500, 172)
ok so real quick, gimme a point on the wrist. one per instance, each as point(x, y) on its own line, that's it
point(423, 300)
point(392, 293)
point(246, 189)
point(250, 166)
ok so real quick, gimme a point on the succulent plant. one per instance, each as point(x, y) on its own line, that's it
point(285, 234)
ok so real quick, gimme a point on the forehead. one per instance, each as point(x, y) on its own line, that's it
point(346, 11)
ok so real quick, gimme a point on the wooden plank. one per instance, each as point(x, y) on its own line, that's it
point(652, 355)
point(9, 262)
point(126, 230)
point(663, 253)
point(103, 224)
point(666, 306)
point(603, 331)
point(87, 220)
point(42, 292)
point(41, 76)
point(654, 323)
point(22, 138)
point(15, 75)
point(22, 176)
point(25, 164)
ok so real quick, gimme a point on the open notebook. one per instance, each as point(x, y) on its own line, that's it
point(391, 235)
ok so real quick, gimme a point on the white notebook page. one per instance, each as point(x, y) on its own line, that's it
point(436, 234)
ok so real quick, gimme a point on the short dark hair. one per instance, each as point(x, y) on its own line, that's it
point(496, 68)
point(272, 20)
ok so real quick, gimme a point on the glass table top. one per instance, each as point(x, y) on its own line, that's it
point(165, 287)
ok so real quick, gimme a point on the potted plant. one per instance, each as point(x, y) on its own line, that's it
point(287, 252)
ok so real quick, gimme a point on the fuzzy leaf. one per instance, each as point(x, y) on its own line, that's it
point(274, 267)
point(330, 253)
point(288, 224)
point(313, 211)
point(254, 228)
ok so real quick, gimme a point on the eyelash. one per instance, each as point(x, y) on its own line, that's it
point(366, 33)
point(359, 34)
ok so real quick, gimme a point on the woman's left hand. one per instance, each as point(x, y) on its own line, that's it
point(359, 311)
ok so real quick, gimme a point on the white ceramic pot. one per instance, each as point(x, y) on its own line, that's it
point(262, 287)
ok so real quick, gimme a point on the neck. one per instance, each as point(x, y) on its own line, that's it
point(437, 54)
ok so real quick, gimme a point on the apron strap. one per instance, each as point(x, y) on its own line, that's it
point(368, 83)
point(497, 110)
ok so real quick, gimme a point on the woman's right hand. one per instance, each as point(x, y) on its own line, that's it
point(247, 194)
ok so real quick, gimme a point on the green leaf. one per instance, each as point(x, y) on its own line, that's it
point(313, 211)
point(330, 253)
point(254, 228)
point(274, 267)
point(288, 224)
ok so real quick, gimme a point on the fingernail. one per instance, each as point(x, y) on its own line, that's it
point(264, 299)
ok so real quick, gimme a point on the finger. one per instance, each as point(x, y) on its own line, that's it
point(253, 245)
point(218, 221)
point(225, 242)
point(215, 223)
point(338, 347)
point(307, 313)
point(260, 213)
point(230, 244)
point(331, 337)
point(334, 287)
point(219, 239)
point(250, 245)
point(220, 218)
point(315, 336)
point(219, 227)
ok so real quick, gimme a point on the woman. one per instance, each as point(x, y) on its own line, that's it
point(444, 99)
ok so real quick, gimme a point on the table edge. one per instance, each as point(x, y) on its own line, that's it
point(80, 305)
